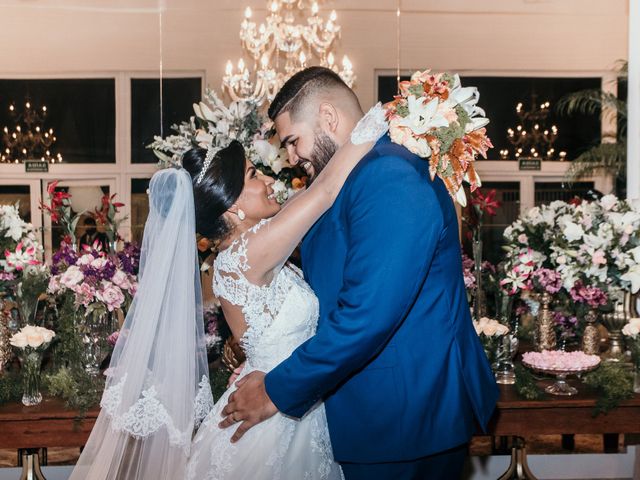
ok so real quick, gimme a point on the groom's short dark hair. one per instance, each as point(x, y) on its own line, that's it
point(303, 84)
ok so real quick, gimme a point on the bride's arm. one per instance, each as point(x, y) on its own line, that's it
point(273, 244)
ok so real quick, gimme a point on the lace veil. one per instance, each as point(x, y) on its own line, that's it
point(157, 387)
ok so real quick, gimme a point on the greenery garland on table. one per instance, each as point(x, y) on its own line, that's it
point(10, 387)
point(613, 383)
point(76, 387)
point(526, 385)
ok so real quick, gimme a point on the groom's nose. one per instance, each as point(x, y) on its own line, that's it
point(293, 157)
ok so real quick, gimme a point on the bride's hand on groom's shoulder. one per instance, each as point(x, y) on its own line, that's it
point(249, 405)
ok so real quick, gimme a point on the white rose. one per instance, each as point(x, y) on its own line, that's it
point(631, 330)
point(19, 340)
point(99, 263)
point(572, 231)
point(47, 334)
point(502, 329)
point(490, 329)
point(35, 339)
point(121, 279)
point(85, 259)
point(608, 202)
point(71, 277)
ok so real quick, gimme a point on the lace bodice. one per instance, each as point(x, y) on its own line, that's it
point(279, 316)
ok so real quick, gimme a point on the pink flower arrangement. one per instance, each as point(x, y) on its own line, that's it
point(548, 280)
point(588, 294)
point(95, 279)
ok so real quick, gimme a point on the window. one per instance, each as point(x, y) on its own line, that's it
point(10, 194)
point(508, 194)
point(547, 192)
point(500, 95)
point(82, 113)
point(178, 94)
point(139, 207)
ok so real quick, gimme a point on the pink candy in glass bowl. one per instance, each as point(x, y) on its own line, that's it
point(560, 364)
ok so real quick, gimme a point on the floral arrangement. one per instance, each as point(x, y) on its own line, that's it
point(491, 334)
point(18, 241)
point(23, 275)
point(592, 246)
point(436, 118)
point(490, 328)
point(59, 208)
point(105, 216)
point(33, 337)
point(97, 281)
point(215, 125)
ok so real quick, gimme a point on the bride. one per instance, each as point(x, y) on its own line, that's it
point(157, 388)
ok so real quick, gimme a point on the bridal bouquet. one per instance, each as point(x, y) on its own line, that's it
point(436, 118)
point(215, 125)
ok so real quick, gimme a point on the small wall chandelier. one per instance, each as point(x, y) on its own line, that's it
point(281, 47)
point(28, 139)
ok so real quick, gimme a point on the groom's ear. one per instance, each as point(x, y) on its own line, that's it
point(328, 117)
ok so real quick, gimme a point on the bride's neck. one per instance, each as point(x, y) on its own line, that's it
point(236, 233)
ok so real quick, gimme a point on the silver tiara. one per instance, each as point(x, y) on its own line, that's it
point(211, 152)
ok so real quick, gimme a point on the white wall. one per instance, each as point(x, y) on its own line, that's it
point(511, 37)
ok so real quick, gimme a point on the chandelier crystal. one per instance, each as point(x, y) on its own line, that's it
point(280, 47)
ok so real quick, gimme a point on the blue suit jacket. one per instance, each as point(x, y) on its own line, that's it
point(395, 356)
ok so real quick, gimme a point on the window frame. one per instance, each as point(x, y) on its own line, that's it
point(117, 175)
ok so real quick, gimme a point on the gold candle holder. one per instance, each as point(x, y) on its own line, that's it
point(545, 325)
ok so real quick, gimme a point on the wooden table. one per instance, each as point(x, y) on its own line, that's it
point(556, 415)
point(51, 425)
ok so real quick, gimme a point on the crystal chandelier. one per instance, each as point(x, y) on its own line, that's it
point(29, 139)
point(280, 47)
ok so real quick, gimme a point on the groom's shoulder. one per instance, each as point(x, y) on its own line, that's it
point(387, 161)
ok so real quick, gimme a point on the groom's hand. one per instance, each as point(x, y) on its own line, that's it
point(250, 405)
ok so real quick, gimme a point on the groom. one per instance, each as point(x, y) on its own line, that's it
point(395, 357)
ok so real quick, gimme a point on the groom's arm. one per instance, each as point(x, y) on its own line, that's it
point(394, 224)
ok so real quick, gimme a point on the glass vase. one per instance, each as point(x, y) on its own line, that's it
point(94, 330)
point(636, 376)
point(504, 369)
point(31, 362)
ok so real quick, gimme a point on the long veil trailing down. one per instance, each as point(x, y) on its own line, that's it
point(157, 387)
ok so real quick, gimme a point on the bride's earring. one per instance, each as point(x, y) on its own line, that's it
point(241, 214)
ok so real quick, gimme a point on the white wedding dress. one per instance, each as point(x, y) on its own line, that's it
point(280, 316)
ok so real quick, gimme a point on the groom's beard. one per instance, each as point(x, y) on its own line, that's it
point(323, 149)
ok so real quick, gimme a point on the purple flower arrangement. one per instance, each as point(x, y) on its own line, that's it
point(93, 277)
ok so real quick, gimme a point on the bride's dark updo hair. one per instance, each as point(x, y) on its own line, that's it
point(219, 188)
